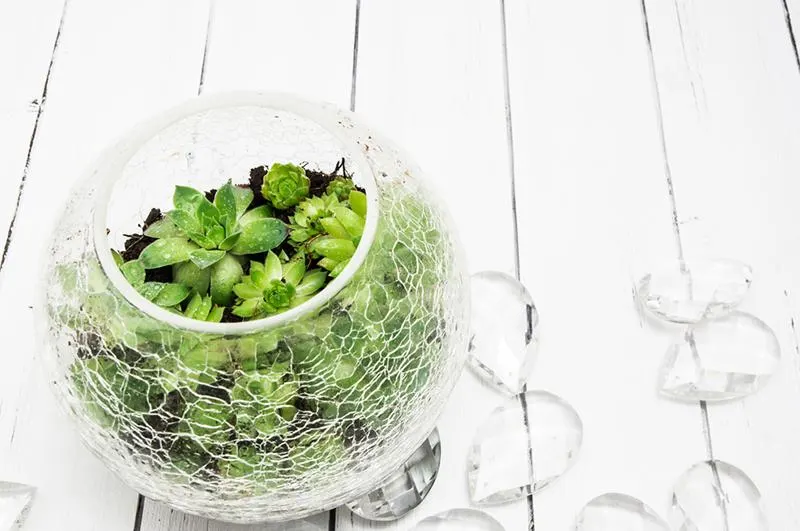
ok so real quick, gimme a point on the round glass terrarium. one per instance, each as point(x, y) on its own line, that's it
point(357, 375)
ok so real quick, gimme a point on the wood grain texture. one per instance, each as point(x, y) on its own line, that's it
point(100, 85)
point(437, 90)
point(590, 188)
point(28, 38)
point(730, 84)
point(274, 46)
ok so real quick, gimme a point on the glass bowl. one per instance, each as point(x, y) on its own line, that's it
point(369, 362)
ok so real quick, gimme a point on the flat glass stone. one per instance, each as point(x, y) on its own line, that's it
point(515, 454)
point(716, 496)
point(459, 520)
point(404, 490)
point(723, 359)
point(15, 502)
point(504, 330)
point(619, 512)
point(706, 290)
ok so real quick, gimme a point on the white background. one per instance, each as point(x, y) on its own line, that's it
point(540, 122)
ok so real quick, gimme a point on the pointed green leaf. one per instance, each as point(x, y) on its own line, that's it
point(164, 228)
point(215, 315)
point(202, 240)
point(333, 227)
point(246, 290)
point(294, 269)
point(312, 282)
point(117, 258)
point(186, 198)
point(336, 271)
point(203, 309)
point(228, 243)
point(358, 202)
point(225, 201)
point(194, 304)
point(150, 290)
point(204, 258)
point(216, 234)
point(166, 251)
point(193, 277)
point(243, 197)
point(350, 221)
point(261, 212)
point(260, 236)
point(184, 221)
point(257, 275)
point(247, 308)
point(171, 294)
point(328, 263)
point(272, 268)
point(224, 275)
point(334, 248)
point(133, 272)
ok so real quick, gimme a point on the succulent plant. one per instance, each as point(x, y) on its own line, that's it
point(285, 185)
point(273, 287)
point(205, 234)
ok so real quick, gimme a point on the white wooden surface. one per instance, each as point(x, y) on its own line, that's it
point(582, 103)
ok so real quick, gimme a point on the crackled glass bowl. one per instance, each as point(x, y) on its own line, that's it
point(372, 358)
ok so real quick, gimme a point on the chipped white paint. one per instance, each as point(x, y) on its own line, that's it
point(591, 198)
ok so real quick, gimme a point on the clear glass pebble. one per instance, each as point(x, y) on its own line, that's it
point(716, 496)
point(459, 520)
point(514, 454)
point(707, 290)
point(15, 501)
point(404, 490)
point(504, 330)
point(723, 359)
point(619, 512)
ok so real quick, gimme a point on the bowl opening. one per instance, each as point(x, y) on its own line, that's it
point(204, 142)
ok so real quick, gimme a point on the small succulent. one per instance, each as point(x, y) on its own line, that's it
point(343, 233)
point(206, 234)
point(307, 220)
point(341, 188)
point(285, 185)
point(273, 287)
point(264, 400)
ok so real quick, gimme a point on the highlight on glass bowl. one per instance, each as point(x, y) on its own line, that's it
point(255, 310)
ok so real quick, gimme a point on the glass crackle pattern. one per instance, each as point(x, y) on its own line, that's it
point(355, 385)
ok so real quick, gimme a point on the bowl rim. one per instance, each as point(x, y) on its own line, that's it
point(116, 157)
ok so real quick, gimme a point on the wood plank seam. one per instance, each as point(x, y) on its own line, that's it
point(787, 15)
point(205, 48)
point(515, 230)
point(34, 131)
point(706, 426)
point(354, 77)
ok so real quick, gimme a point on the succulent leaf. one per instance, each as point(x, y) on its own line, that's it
point(166, 251)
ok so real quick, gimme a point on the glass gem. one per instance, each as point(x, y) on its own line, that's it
point(504, 330)
point(516, 452)
point(716, 496)
point(723, 359)
point(405, 489)
point(706, 290)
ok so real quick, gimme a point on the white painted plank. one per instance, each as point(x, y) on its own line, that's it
point(591, 193)
point(437, 89)
point(735, 163)
point(303, 47)
point(101, 84)
point(277, 46)
point(27, 35)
